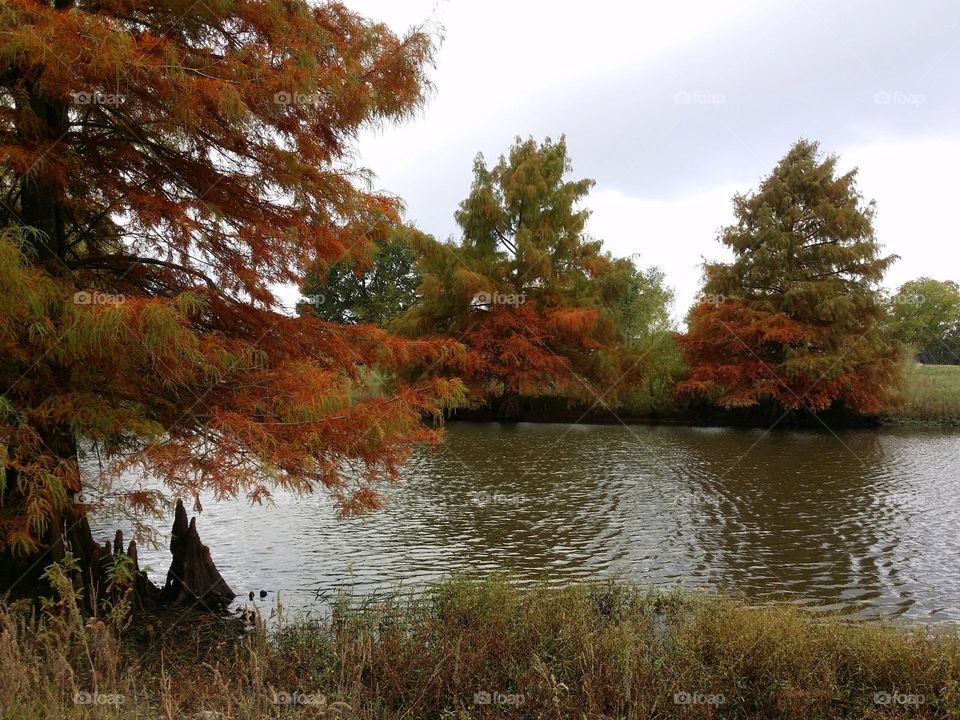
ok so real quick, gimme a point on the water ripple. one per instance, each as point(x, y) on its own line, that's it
point(866, 524)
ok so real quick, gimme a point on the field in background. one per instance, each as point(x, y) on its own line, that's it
point(930, 394)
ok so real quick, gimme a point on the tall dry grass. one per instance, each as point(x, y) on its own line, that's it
point(483, 650)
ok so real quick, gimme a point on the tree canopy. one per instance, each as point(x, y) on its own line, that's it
point(165, 164)
point(540, 307)
point(375, 292)
point(926, 316)
point(797, 317)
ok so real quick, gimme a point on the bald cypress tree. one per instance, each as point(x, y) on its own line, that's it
point(538, 304)
point(796, 317)
point(163, 166)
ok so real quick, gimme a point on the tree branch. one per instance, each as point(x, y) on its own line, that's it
point(107, 260)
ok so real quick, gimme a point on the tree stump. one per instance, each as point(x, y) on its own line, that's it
point(145, 593)
point(193, 579)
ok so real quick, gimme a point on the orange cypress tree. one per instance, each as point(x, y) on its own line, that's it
point(165, 165)
point(797, 318)
point(531, 296)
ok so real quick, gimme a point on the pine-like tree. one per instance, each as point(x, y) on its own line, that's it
point(165, 163)
point(796, 318)
point(536, 302)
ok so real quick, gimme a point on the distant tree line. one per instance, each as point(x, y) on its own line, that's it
point(797, 321)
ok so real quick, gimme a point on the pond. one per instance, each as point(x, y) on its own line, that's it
point(864, 521)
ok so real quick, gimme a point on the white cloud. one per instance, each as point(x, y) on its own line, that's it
point(914, 184)
point(502, 62)
point(675, 235)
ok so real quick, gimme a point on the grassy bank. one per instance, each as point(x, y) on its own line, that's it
point(485, 650)
point(930, 396)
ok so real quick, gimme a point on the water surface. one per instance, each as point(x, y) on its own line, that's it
point(865, 521)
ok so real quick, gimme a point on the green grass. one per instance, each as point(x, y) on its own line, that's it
point(587, 651)
point(930, 395)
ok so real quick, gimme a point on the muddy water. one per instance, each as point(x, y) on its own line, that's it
point(864, 521)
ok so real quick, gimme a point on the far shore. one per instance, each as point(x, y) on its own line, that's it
point(930, 397)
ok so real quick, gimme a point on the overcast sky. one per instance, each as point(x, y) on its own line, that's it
point(673, 107)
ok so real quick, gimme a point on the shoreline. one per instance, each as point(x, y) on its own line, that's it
point(475, 649)
point(929, 398)
point(717, 421)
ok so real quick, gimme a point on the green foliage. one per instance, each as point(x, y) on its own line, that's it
point(524, 231)
point(355, 291)
point(642, 307)
point(926, 316)
point(797, 317)
point(119, 571)
point(522, 222)
point(804, 245)
point(664, 366)
point(541, 308)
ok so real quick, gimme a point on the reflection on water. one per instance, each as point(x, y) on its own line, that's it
point(865, 521)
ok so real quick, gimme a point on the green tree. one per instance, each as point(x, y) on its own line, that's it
point(642, 307)
point(375, 290)
point(541, 308)
point(926, 316)
point(797, 317)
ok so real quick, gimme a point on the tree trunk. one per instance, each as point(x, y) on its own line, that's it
point(41, 202)
point(22, 574)
point(193, 579)
point(508, 407)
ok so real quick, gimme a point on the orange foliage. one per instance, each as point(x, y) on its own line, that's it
point(171, 162)
point(740, 356)
point(523, 350)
